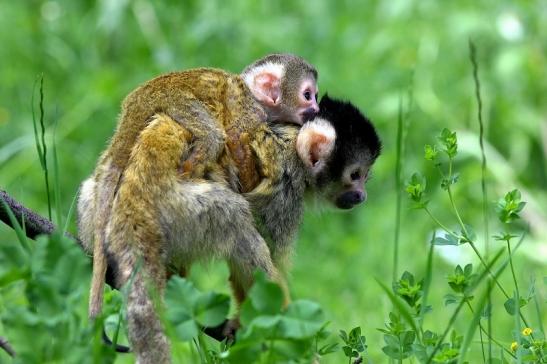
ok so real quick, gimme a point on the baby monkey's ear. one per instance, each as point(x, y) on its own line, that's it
point(265, 82)
point(267, 88)
point(315, 144)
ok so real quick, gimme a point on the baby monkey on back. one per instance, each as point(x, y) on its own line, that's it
point(220, 111)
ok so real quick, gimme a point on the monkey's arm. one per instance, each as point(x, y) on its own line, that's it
point(208, 137)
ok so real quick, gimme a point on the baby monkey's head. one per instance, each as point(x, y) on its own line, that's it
point(285, 85)
point(339, 147)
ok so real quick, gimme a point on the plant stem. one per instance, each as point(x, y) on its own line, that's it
point(440, 224)
point(513, 269)
point(489, 336)
point(398, 188)
point(460, 221)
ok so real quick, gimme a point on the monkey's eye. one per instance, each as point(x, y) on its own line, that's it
point(355, 176)
point(307, 95)
point(316, 97)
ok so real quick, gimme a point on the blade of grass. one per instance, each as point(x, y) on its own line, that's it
point(34, 123)
point(475, 66)
point(56, 182)
point(19, 231)
point(403, 121)
point(41, 141)
point(398, 188)
point(427, 279)
point(70, 212)
point(516, 297)
point(538, 313)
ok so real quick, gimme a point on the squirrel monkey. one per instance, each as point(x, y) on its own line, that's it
point(170, 221)
point(219, 109)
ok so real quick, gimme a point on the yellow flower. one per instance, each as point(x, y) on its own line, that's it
point(526, 331)
point(514, 346)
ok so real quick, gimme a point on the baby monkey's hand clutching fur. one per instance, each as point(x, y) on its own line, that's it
point(169, 221)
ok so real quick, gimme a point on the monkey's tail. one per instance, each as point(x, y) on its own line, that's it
point(97, 278)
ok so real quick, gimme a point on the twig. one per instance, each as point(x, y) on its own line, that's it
point(34, 224)
point(4, 344)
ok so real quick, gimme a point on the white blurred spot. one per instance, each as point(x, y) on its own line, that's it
point(50, 10)
point(510, 27)
point(453, 254)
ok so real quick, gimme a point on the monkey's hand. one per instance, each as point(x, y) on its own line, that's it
point(238, 144)
point(193, 167)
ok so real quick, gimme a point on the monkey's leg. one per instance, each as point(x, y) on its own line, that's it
point(92, 237)
point(208, 137)
point(251, 253)
point(135, 250)
point(136, 241)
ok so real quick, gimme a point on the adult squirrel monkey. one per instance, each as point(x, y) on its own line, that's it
point(168, 221)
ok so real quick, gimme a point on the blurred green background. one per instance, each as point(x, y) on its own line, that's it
point(92, 53)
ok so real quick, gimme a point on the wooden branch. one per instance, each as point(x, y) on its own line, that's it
point(5, 345)
point(34, 224)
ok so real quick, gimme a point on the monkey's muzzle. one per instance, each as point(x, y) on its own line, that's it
point(349, 199)
point(309, 114)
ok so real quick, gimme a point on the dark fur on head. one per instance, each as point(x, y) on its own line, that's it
point(355, 135)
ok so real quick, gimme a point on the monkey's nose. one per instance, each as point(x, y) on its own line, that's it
point(309, 114)
point(357, 197)
point(315, 107)
point(351, 198)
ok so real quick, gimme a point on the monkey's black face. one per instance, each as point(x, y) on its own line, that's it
point(356, 148)
point(348, 188)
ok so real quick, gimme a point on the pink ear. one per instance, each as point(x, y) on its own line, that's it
point(267, 88)
point(315, 143)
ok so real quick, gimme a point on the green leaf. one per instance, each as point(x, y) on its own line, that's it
point(415, 187)
point(447, 182)
point(328, 349)
point(511, 307)
point(468, 234)
point(403, 309)
point(408, 289)
point(349, 352)
point(448, 239)
point(430, 152)
point(344, 336)
point(211, 309)
point(302, 319)
point(510, 206)
point(181, 293)
point(266, 297)
point(451, 299)
point(356, 340)
point(186, 329)
point(449, 141)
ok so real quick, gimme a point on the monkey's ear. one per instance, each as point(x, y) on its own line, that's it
point(267, 88)
point(315, 144)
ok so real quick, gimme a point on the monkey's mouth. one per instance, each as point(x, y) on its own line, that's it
point(344, 205)
point(308, 115)
point(349, 199)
